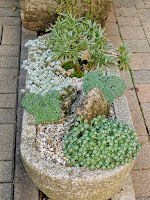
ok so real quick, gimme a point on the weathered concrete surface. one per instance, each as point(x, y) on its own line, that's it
point(61, 182)
point(126, 192)
point(30, 10)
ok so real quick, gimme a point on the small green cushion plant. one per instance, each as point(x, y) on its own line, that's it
point(102, 144)
point(44, 108)
point(111, 86)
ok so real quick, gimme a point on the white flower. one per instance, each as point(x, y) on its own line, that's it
point(22, 90)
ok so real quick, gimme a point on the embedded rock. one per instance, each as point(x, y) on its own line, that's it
point(68, 96)
point(93, 104)
point(85, 55)
point(38, 15)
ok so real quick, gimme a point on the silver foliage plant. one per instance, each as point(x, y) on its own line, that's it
point(43, 73)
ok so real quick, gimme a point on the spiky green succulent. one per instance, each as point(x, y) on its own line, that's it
point(102, 144)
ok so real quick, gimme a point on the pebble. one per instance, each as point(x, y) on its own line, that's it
point(49, 137)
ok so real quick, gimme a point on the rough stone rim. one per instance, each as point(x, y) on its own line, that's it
point(46, 166)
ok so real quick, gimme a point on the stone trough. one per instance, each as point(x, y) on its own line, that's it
point(73, 183)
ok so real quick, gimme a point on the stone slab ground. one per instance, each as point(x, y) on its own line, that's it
point(133, 21)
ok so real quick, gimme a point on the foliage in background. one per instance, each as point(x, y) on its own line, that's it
point(96, 10)
point(111, 86)
point(44, 108)
point(103, 144)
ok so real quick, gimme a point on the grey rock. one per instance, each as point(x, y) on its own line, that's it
point(68, 96)
point(94, 104)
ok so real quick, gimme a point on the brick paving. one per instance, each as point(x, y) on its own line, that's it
point(9, 65)
point(133, 21)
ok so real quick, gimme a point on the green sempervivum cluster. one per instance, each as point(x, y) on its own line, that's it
point(44, 108)
point(111, 86)
point(102, 144)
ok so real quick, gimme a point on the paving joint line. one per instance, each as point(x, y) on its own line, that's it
point(1, 37)
point(148, 133)
point(141, 23)
point(16, 112)
point(5, 182)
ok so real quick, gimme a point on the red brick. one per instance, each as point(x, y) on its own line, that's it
point(129, 32)
point(111, 29)
point(136, 114)
point(115, 40)
point(141, 182)
point(146, 112)
point(143, 92)
point(140, 61)
point(137, 46)
point(126, 12)
point(128, 21)
point(144, 14)
point(143, 160)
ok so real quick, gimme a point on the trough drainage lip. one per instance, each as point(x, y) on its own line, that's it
point(121, 117)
